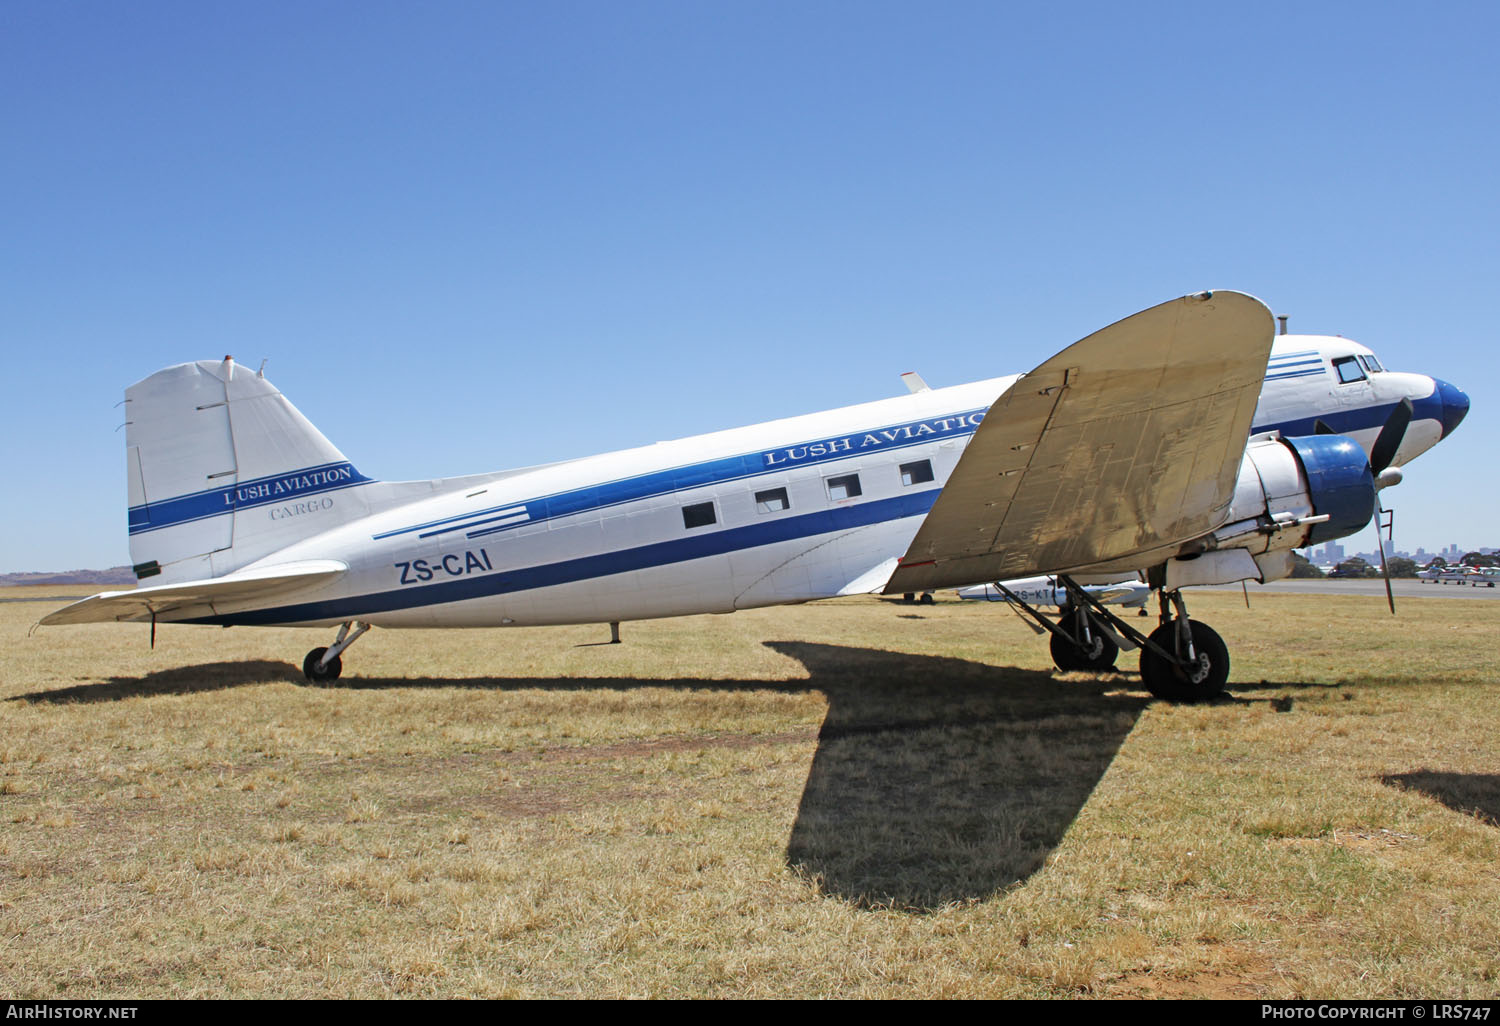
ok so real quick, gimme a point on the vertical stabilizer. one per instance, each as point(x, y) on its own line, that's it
point(224, 470)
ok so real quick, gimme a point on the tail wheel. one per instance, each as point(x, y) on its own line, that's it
point(1202, 679)
point(1099, 656)
point(316, 674)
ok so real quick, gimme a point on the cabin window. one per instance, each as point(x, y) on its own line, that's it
point(916, 473)
point(773, 500)
point(1347, 368)
point(699, 514)
point(846, 487)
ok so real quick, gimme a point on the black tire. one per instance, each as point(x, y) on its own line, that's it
point(1096, 659)
point(927, 598)
point(1204, 681)
point(316, 674)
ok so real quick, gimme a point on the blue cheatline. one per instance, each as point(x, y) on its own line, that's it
point(696, 546)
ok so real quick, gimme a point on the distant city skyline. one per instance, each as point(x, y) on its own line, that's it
point(1335, 553)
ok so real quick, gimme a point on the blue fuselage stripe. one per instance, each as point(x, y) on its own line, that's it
point(694, 546)
point(697, 475)
point(1344, 422)
point(262, 491)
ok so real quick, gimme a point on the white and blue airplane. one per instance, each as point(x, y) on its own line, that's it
point(1139, 448)
point(1048, 591)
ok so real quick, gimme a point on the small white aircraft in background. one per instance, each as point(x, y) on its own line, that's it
point(1447, 574)
point(1047, 591)
point(1078, 642)
point(1480, 577)
point(1125, 452)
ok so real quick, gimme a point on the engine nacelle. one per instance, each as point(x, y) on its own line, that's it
point(1291, 492)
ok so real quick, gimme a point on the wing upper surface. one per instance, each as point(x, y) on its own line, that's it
point(1121, 447)
point(241, 587)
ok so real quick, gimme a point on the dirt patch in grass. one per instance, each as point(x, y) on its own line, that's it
point(1234, 974)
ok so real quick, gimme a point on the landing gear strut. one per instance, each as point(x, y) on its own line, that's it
point(1085, 646)
point(323, 664)
point(1184, 660)
point(1085, 637)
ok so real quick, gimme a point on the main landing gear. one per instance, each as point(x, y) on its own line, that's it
point(323, 665)
point(1080, 643)
point(1182, 660)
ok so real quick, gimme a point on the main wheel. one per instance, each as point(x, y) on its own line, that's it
point(316, 674)
point(1202, 680)
point(1098, 657)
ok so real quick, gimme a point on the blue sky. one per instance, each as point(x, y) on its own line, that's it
point(470, 236)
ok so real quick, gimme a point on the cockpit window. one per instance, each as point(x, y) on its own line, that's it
point(1347, 368)
point(1371, 364)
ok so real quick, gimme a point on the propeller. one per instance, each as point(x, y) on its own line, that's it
point(1385, 564)
point(1381, 454)
point(1389, 439)
point(1387, 443)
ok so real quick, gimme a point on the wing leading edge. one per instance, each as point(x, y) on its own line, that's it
point(1111, 454)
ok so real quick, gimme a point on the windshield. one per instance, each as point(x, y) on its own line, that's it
point(1347, 369)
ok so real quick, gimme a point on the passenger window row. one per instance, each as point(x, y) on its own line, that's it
point(774, 500)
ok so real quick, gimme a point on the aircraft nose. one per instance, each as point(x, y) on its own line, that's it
point(1455, 405)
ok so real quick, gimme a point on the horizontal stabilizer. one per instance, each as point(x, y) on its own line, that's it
point(237, 588)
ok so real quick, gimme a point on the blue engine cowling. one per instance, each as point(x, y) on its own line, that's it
point(1339, 483)
point(1285, 490)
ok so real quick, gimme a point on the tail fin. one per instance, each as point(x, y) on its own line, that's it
point(223, 470)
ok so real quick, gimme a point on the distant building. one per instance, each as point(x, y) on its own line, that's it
point(1332, 552)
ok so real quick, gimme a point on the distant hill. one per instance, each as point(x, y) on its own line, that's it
point(119, 575)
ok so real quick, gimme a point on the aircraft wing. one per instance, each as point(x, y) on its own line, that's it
point(1110, 455)
point(239, 587)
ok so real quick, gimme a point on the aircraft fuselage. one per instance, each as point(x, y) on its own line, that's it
point(787, 511)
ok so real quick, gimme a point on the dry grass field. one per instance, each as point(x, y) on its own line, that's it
point(849, 799)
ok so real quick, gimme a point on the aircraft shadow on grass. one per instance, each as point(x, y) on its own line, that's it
point(940, 780)
point(935, 779)
point(1473, 794)
point(178, 680)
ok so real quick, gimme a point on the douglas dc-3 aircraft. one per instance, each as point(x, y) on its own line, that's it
point(1127, 451)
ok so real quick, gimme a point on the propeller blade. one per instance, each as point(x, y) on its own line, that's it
point(1320, 428)
point(1385, 564)
point(1389, 439)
